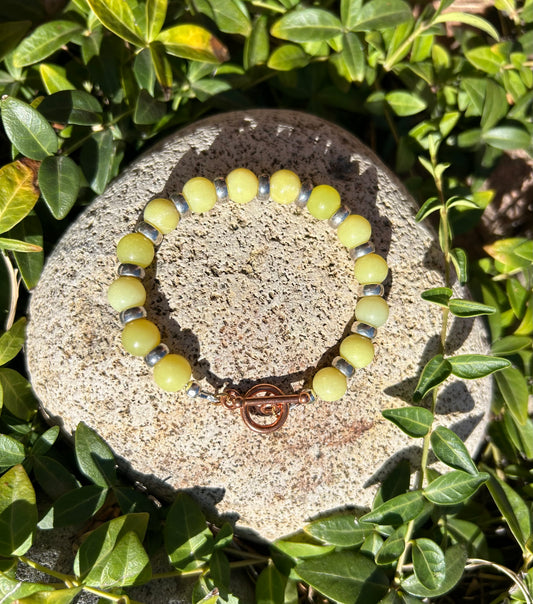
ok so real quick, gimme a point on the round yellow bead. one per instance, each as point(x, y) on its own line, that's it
point(372, 310)
point(172, 373)
point(135, 249)
point(200, 194)
point(284, 186)
point(371, 268)
point(126, 292)
point(140, 336)
point(323, 202)
point(354, 231)
point(243, 185)
point(329, 384)
point(357, 350)
point(162, 214)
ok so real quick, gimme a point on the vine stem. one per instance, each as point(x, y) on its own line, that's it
point(68, 580)
point(200, 571)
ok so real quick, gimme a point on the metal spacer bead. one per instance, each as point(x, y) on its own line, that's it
point(362, 250)
point(339, 217)
point(181, 204)
point(132, 314)
point(343, 366)
point(150, 232)
point(155, 355)
point(264, 187)
point(130, 270)
point(372, 289)
point(365, 330)
point(311, 393)
point(195, 391)
point(221, 188)
point(303, 196)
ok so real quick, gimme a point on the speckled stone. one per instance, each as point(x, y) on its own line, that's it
point(251, 293)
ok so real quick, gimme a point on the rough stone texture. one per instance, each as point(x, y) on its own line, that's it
point(249, 294)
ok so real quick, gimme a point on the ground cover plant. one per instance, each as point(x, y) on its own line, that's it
point(443, 97)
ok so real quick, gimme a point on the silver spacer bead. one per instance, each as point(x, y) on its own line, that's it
point(181, 204)
point(371, 289)
point(221, 188)
point(363, 329)
point(156, 354)
point(263, 193)
point(132, 314)
point(339, 217)
point(362, 250)
point(130, 270)
point(311, 393)
point(303, 196)
point(343, 366)
point(195, 391)
point(150, 232)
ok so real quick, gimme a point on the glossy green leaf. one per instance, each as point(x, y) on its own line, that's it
point(54, 78)
point(511, 344)
point(495, 106)
point(339, 530)
point(437, 295)
point(95, 458)
point(475, 89)
point(147, 109)
point(44, 41)
point(118, 17)
point(460, 263)
point(395, 483)
point(18, 193)
point(18, 512)
point(11, 32)
point(257, 44)
point(231, 16)
point(405, 103)
point(11, 341)
point(14, 590)
point(45, 441)
point(398, 510)
point(513, 387)
point(454, 487)
point(11, 451)
point(485, 59)
point(97, 156)
point(518, 296)
point(507, 138)
point(72, 107)
point(468, 19)
point(414, 421)
point(433, 204)
point(155, 11)
point(473, 366)
point(188, 541)
point(393, 547)
point(53, 477)
point(349, 11)
point(469, 308)
point(15, 245)
point(297, 549)
point(451, 450)
point(193, 42)
point(380, 14)
point(30, 265)
point(76, 506)
point(433, 374)
point(468, 534)
point(307, 25)
point(287, 57)
point(353, 57)
point(428, 563)
point(56, 596)
point(219, 570)
point(16, 394)
point(507, 253)
point(59, 179)
point(270, 586)
point(344, 577)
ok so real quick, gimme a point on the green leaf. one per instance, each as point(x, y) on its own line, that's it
point(339, 530)
point(18, 512)
point(54, 78)
point(433, 374)
point(518, 296)
point(77, 506)
point(16, 394)
point(147, 109)
point(450, 449)
point(18, 193)
point(395, 483)
point(510, 345)
point(469, 308)
point(11, 341)
point(393, 547)
point(428, 563)
point(380, 14)
point(11, 33)
point(510, 253)
point(345, 577)
point(287, 57)
point(53, 477)
point(461, 202)
point(475, 89)
point(231, 16)
point(495, 105)
point(27, 129)
point(469, 534)
point(353, 57)
point(15, 245)
point(44, 41)
point(11, 452)
point(507, 138)
point(95, 458)
point(59, 179)
point(43, 444)
point(155, 11)
point(257, 44)
point(298, 550)
point(307, 25)
point(188, 541)
point(437, 295)
point(72, 107)
point(513, 387)
point(460, 263)
point(414, 421)
point(30, 265)
point(398, 510)
point(118, 17)
point(193, 42)
point(468, 19)
point(270, 586)
point(473, 366)
point(13, 590)
point(405, 103)
point(349, 11)
point(485, 59)
point(454, 487)
point(97, 156)
point(433, 204)
point(219, 570)
point(57, 596)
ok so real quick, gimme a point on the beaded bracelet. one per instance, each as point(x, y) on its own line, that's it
point(264, 408)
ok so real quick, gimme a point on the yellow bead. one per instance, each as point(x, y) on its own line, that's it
point(354, 231)
point(135, 249)
point(284, 186)
point(357, 350)
point(370, 269)
point(200, 194)
point(243, 185)
point(162, 214)
point(126, 292)
point(140, 336)
point(329, 384)
point(323, 202)
point(372, 310)
point(172, 373)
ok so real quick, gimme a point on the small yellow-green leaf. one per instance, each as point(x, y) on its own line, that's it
point(468, 19)
point(307, 25)
point(405, 103)
point(156, 11)
point(11, 341)
point(256, 47)
point(288, 57)
point(54, 78)
point(18, 193)
point(193, 42)
point(44, 41)
point(30, 266)
point(118, 17)
point(16, 394)
point(15, 245)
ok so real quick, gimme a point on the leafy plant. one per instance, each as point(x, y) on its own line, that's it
point(435, 92)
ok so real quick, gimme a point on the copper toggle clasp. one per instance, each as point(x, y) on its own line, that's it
point(263, 400)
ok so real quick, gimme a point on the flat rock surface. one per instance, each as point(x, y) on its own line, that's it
point(249, 294)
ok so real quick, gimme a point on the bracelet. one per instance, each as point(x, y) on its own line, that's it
point(264, 408)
